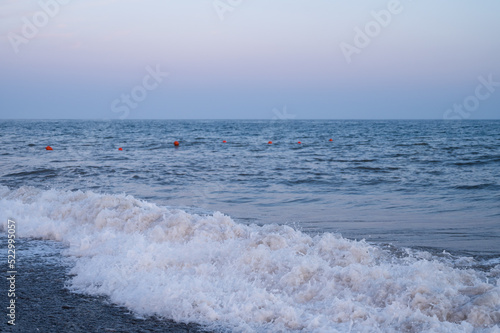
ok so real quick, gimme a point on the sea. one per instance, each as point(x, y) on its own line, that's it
point(263, 225)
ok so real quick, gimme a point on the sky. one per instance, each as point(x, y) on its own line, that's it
point(249, 59)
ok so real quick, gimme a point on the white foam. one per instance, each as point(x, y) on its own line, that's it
point(213, 271)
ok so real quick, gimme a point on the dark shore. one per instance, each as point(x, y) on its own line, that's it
point(43, 304)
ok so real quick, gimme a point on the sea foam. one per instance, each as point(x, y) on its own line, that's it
point(245, 278)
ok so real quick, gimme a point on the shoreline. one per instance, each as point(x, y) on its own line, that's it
point(43, 304)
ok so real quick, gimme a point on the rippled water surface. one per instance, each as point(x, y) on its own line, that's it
point(410, 183)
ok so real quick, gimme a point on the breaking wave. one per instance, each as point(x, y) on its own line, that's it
point(234, 277)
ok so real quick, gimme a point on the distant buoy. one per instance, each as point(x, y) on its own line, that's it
point(330, 140)
point(176, 143)
point(299, 142)
point(48, 148)
point(224, 141)
point(270, 143)
point(120, 149)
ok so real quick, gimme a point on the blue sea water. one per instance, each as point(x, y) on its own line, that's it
point(412, 183)
point(425, 190)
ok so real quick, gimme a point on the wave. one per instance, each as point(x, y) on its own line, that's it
point(478, 187)
point(234, 277)
point(412, 144)
point(36, 172)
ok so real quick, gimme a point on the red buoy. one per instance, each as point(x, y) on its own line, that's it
point(330, 140)
point(120, 149)
point(299, 142)
point(176, 143)
point(224, 141)
point(48, 148)
point(270, 142)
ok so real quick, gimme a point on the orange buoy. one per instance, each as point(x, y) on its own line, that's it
point(224, 141)
point(176, 143)
point(48, 148)
point(120, 149)
point(270, 143)
point(299, 142)
point(330, 140)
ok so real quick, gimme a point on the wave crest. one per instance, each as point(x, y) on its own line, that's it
point(216, 272)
